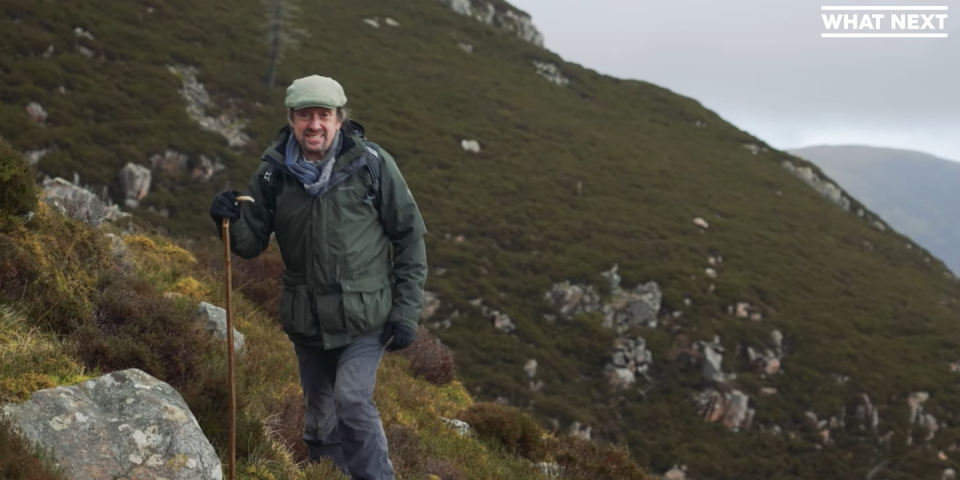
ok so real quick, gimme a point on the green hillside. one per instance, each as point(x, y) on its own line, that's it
point(851, 300)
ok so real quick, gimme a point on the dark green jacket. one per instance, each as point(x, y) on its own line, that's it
point(340, 280)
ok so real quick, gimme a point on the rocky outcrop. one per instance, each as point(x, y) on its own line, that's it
point(826, 188)
point(470, 145)
point(712, 365)
point(214, 320)
point(867, 413)
point(630, 358)
point(228, 124)
point(135, 181)
point(551, 73)
point(126, 424)
point(926, 421)
point(513, 21)
point(36, 112)
point(729, 408)
point(79, 203)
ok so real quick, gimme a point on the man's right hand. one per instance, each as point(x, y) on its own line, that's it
point(227, 206)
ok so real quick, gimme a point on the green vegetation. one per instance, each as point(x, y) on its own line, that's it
point(70, 308)
point(851, 300)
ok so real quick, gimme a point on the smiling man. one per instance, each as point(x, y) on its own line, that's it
point(338, 205)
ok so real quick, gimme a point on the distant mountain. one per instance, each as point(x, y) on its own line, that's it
point(916, 193)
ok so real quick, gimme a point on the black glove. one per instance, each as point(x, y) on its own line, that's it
point(225, 205)
point(402, 336)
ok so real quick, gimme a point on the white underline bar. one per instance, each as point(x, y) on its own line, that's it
point(885, 7)
point(883, 35)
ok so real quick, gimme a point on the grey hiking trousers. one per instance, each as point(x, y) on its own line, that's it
point(341, 421)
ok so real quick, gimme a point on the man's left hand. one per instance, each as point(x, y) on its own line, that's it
point(402, 335)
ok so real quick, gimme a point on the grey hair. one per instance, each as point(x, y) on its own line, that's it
point(342, 114)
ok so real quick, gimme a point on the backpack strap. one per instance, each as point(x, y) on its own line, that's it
point(269, 187)
point(373, 166)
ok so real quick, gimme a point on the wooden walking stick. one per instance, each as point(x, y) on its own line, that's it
point(233, 394)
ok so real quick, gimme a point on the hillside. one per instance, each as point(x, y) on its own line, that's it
point(770, 317)
point(914, 192)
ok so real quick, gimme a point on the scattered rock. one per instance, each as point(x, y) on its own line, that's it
point(126, 424)
point(135, 181)
point(372, 22)
point(470, 145)
point(79, 203)
point(676, 473)
point(36, 112)
point(711, 273)
point(867, 414)
point(581, 431)
point(730, 408)
point(391, 22)
point(629, 358)
point(754, 149)
point(228, 124)
point(701, 223)
point(81, 33)
point(466, 47)
point(215, 321)
point(551, 73)
point(510, 20)
point(33, 157)
point(824, 187)
point(86, 52)
point(463, 428)
point(530, 368)
point(431, 302)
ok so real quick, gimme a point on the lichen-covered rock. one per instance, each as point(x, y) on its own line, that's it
point(126, 424)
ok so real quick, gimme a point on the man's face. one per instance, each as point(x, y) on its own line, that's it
point(314, 128)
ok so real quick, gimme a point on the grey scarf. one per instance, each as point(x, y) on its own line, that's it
point(313, 175)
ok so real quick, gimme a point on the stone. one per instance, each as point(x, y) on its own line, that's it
point(372, 22)
point(712, 364)
point(33, 157)
point(135, 181)
point(431, 302)
point(470, 145)
point(170, 162)
point(78, 202)
point(48, 52)
point(701, 223)
point(916, 401)
point(36, 112)
point(466, 47)
point(948, 474)
point(81, 33)
point(463, 428)
point(215, 321)
point(117, 247)
point(711, 273)
point(502, 322)
point(578, 430)
point(767, 391)
point(675, 473)
point(551, 73)
point(125, 424)
point(530, 368)
point(730, 408)
point(206, 168)
point(86, 52)
point(391, 22)
point(754, 149)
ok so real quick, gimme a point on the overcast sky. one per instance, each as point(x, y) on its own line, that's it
point(762, 65)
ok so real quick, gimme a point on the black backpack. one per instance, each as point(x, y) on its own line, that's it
point(271, 181)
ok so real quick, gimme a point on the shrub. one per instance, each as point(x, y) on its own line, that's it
point(582, 459)
point(18, 192)
point(411, 458)
point(20, 459)
point(430, 359)
point(134, 326)
point(285, 422)
point(507, 425)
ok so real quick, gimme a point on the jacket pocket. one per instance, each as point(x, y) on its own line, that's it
point(366, 303)
point(296, 312)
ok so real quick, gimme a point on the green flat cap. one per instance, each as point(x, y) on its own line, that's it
point(315, 91)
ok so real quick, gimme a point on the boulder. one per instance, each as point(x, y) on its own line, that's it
point(470, 145)
point(215, 321)
point(135, 181)
point(126, 424)
point(36, 112)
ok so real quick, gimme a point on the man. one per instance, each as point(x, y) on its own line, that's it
point(345, 298)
